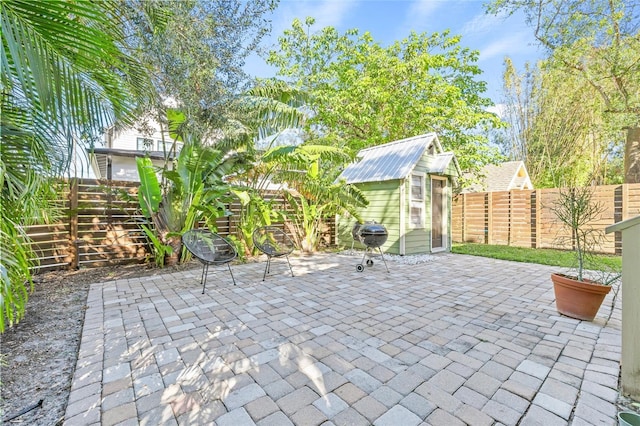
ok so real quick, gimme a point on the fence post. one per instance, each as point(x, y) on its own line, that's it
point(73, 223)
point(535, 211)
point(463, 219)
point(489, 215)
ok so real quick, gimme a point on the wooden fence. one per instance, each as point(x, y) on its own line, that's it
point(523, 218)
point(100, 226)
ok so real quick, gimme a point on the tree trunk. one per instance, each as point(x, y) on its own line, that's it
point(632, 156)
point(176, 246)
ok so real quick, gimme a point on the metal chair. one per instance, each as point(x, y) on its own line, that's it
point(209, 249)
point(273, 242)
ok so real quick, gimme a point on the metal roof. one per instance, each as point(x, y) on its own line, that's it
point(441, 163)
point(394, 160)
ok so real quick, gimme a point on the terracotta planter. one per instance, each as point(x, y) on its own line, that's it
point(578, 299)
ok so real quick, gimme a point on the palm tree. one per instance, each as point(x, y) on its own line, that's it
point(64, 77)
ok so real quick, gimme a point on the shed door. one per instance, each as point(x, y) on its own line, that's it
point(438, 213)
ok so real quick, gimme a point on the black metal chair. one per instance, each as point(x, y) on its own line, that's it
point(273, 242)
point(209, 249)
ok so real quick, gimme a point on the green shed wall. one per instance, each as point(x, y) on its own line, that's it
point(384, 208)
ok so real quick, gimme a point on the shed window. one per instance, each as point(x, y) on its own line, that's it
point(417, 207)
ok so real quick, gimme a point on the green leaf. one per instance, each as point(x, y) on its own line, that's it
point(149, 193)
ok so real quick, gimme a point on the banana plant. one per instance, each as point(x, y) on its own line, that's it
point(192, 191)
point(310, 173)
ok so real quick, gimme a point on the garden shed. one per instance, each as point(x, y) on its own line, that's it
point(409, 186)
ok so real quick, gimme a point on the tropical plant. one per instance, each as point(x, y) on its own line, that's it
point(260, 120)
point(191, 191)
point(310, 172)
point(63, 75)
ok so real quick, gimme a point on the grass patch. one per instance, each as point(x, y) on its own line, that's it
point(561, 258)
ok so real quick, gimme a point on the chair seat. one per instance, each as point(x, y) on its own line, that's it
point(209, 249)
point(273, 242)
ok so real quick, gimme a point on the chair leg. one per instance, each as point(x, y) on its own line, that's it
point(234, 280)
point(266, 268)
point(290, 268)
point(205, 272)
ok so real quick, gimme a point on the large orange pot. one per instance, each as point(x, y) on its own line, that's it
point(578, 299)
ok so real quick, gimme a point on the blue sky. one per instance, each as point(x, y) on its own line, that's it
point(389, 20)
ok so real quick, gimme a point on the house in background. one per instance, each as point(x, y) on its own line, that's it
point(117, 160)
point(409, 186)
point(502, 177)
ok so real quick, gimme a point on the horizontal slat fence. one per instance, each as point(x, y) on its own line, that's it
point(524, 218)
point(100, 225)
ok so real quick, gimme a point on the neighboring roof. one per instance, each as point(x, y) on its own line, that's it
point(395, 160)
point(503, 177)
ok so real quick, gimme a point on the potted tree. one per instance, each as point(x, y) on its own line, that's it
point(580, 293)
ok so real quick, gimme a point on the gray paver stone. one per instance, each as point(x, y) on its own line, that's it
point(119, 414)
point(237, 417)
point(441, 417)
point(502, 413)
point(239, 397)
point(397, 415)
point(350, 417)
point(538, 416)
point(473, 416)
point(363, 380)
point(418, 405)
point(275, 419)
point(308, 416)
point(330, 405)
point(533, 369)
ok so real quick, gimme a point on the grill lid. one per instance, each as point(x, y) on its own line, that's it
point(372, 229)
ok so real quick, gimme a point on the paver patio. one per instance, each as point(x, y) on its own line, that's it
point(460, 340)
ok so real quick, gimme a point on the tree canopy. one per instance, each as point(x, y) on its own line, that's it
point(364, 94)
point(196, 61)
point(597, 41)
point(557, 128)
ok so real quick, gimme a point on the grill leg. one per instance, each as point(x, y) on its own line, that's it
point(366, 250)
point(231, 272)
point(290, 268)
point(266, 268)
point(382, 256)
point(205, 272)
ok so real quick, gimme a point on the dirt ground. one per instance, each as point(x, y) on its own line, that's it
point(39, 354)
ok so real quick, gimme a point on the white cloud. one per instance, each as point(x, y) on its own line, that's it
point(511, 44)
point(483, 23)
point(419, 16)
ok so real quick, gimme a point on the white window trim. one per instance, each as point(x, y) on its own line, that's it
point(145, 146)
point(417, 202)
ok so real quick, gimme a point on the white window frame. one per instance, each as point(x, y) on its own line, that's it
point(147, 144)
point(417, 201)
point(168, 144)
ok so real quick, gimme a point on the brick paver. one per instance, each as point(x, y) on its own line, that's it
point(458, 340)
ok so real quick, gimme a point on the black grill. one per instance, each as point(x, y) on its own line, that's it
point(372, 235)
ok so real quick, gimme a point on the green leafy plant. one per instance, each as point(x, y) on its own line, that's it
point(312, 192)
point(192, 191)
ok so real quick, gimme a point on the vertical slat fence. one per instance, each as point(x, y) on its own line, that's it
point(524, 218)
